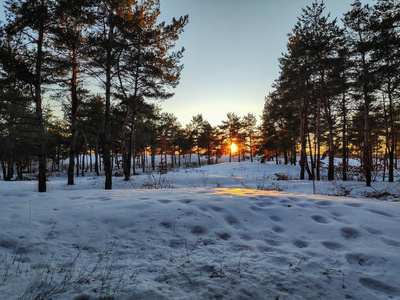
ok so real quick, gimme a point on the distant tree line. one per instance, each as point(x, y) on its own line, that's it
point(337, 94)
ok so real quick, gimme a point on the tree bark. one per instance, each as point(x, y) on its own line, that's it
point(107, 126)
point(344, 139)
point(74, 110)
point(392, 134)
point(42, 155)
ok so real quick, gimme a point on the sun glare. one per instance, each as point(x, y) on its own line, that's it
point(233, 147)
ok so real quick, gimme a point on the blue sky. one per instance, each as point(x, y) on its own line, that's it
point(232, 50)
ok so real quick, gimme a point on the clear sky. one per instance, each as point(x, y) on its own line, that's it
point(232, 50)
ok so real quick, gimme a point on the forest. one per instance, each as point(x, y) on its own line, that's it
point(113, 198)
point(56, 49)
point(337, 95)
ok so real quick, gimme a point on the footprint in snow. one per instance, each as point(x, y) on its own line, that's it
point(198, 230)
point(391, 242)
point(323, 203)
point(262, 204)
point(166, 224)
point(231, 220)
point(382, 213)
point(275, 218)
point(224, 236)
point(186, 201)
point(319, 219)
point(373, 230)
point(216, 208)
point(365, 260)
point(352, 204)
point(350, 233)
point(255, 208)
point(164, 201)
point(278, 229)
point(336, 214)
point(300, 244)
point(332, 245)
point(379, 286)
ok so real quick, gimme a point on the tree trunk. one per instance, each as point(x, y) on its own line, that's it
point(198, 155)
point(125, 161)
point(367, 129)
point(311, 156)
point(74, 110)
point(179, 158)
point(3, 167)
point(318, 152)
point(38, 106)
point(344, 139)
point(153, 157)
point(328, 118)
point(96, 156)
point(90, 159)
point(391, 147)
point(125, 154)
point(303, 153)
point(251, 148)
point(107, 126)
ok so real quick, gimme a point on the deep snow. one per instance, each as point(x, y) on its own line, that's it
point(214, 232)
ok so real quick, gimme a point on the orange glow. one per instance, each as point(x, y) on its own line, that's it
point(234, 147)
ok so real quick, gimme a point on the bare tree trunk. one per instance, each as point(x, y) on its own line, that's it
point(107, 126)
point(90, 158)
point(85, 152)
point(153, 157)
point(344, 139)
point(77, 164)
point(311, 156)
point(303, 154)
point(251, 148)
point(391, 148)
point(42, 155)
point(318, 153)
point(96, 156)
point(198, 155)
point(74, 110)
point(331, 166)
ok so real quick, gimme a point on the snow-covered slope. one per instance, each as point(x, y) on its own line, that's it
point(211, 234)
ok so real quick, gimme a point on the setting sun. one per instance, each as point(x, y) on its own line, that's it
point(233, 147)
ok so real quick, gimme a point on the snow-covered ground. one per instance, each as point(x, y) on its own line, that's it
point(226, 231)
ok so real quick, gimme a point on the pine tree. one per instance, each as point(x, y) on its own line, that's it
point(230, 129)
point(249, 122)
point(28, 23)
point(68, 41)
point(360, 35)
point(386, 40)
point(145, 64)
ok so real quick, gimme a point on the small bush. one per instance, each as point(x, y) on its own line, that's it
point(281, 176)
